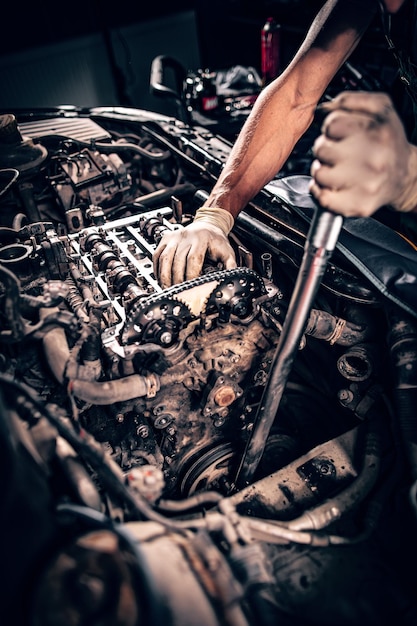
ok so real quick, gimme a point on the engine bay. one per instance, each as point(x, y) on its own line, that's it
point(127, 408)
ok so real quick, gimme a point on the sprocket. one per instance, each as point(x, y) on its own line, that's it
point(158, 320)
point(235, 293)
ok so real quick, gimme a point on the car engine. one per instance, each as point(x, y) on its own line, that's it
point(128, 410)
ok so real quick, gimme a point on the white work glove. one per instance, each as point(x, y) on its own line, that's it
point(180, 254)
point(363, 160)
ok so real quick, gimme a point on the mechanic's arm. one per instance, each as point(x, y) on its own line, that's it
point(281, 114)
point(363, 158)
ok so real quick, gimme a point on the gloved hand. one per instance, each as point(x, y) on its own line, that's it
point(181, 253)
point(363, 159)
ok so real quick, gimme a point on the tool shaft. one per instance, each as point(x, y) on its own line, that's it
point(320, 243)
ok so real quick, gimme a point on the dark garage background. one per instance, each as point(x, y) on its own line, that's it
point(99, 53)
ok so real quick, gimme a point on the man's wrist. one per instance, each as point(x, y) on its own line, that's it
point(217, 217)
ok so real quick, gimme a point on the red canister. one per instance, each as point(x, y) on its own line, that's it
point(270, 50)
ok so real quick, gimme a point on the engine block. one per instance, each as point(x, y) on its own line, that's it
point(169, 376)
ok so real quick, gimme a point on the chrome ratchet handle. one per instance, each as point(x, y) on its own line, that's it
point(320, 243)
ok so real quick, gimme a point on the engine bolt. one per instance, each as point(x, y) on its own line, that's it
point(142, 431)
point(345, 396)
point(166, 337)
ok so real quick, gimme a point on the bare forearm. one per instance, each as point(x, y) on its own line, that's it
point(260, 151)
point(285, 109)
